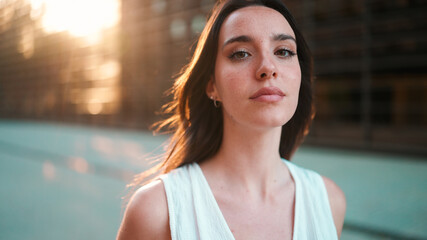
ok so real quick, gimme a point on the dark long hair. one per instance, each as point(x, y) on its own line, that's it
point(196, 125)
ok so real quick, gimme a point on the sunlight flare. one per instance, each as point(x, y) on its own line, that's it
point(81, 18)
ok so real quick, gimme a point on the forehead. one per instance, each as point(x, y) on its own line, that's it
point(255, 20)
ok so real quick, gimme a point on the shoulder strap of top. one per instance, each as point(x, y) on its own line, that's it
point(180, 204)
point(313, 216)
point(193, 210)
point(211, 222)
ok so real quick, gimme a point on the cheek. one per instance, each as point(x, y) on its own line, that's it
point(231, 88)
point(293, 86)
point(296, 81)
point(230, 83)
point(292, 78)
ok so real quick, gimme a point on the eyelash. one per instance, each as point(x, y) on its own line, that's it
point(291, 53)
point(233, 55)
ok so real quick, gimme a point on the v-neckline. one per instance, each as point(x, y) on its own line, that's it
point(218, 209)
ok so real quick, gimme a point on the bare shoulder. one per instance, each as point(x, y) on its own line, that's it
point(146, 215)
point(337, 201)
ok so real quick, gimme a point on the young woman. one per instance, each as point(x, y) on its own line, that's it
point(241, 107)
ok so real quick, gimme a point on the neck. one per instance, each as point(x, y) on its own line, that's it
point(249, 159)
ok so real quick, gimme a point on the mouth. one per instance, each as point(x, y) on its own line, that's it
point(268, 94)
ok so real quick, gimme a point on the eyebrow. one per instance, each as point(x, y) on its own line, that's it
point(283, 37)
point(244, 38)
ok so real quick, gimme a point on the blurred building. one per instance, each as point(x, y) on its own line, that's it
point(370, 64)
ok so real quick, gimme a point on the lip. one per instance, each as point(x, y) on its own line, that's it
point(268, 94)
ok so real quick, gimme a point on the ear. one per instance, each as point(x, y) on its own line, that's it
point(211, 89)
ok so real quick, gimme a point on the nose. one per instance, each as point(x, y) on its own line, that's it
point(266, 69)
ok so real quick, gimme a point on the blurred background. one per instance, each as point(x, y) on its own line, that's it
point(81, 82)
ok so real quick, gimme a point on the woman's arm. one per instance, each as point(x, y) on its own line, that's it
point(337, 202)
point(146, 216)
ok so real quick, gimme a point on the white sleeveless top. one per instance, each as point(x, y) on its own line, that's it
point(194, 213)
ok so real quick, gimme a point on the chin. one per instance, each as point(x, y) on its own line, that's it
point(261, 118)
point(271, 122)
point(275, 117)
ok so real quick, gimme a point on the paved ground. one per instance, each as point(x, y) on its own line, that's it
point(66, 182)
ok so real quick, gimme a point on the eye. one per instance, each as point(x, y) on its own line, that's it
point(239, 55)
point(284, 53)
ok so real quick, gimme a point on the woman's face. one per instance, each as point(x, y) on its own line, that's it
point(257, 74)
